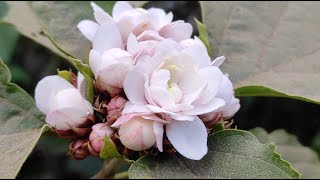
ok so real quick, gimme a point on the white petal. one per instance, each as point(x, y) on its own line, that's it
point(47, 88)
point(65, 118)
point(147, 92)
point(70, 98)
point(158, 130)
point(95, 7)
point(114, 74)
point(215, 104)
point(119, 8)
point(102, 17)
point(133, 86)
point(198, 52)
point(132, 108)
point(160, 78)
point(188, 137)
point(88, 28)
point(81, 84)
point(225, 91)
point(133, 45)
point(231, 109)
point(177, 30)
point(149, 35)
point(95, 60)
point(107, 37)
point(173, 115)
point(218, 61)
point(161, 96)
point(213, 76)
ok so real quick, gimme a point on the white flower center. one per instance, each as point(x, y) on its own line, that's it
point(175, 92)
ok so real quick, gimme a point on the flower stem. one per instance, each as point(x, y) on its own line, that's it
point(109, 168)
point(122, 175)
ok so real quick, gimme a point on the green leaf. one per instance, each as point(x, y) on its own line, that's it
point(232, 154)
point(59, 20)
point(8, 40)
point(20, 125)
point(26, 23)
point(109, 149)
point(67, 75)
point(265, 45)
point(203, 36)
point(304, 159)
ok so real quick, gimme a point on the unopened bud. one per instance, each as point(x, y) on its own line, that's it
point(137, 134)
point(96, 138)
point(115, 107)
point(78, 149)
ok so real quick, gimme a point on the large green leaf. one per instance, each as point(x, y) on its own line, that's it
point(26, 23)
point(232, 154)
point(59, 20)
point(20, 125)
point(304, 159)
point(8, 39)
point(267, 44)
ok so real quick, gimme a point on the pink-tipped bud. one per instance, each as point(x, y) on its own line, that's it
point(96, 138)
point(78, 149)
point(137, 134)
point(115, 107)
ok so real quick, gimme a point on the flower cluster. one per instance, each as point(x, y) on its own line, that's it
point(156, 88)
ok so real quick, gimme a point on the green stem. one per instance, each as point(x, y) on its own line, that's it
point(122, 175)
point(109, 168)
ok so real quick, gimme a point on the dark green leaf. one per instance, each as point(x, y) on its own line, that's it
point(304, 159)
point(232, 154)
point(268, 44)
point(20, 122)
point(203, 35)
point(109, 149)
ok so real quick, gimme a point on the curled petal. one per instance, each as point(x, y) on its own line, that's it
point(188, 137)
point(158, 130)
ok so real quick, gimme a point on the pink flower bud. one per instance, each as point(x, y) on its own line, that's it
point(78, 149)
point(137, 134)
point(96, 138)
point(115, 107)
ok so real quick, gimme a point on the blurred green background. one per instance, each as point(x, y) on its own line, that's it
point(29, 62)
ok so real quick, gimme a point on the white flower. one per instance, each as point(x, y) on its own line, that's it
point(126, 19)
point(110, 68)
point(62, 103)
point(179, 82)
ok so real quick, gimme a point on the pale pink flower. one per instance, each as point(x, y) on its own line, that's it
point(140, 131)
point(178, 81)
point(126, 19)
point(62, 103)
point(110, 68)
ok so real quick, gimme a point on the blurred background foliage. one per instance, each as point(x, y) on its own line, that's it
point(29, 62)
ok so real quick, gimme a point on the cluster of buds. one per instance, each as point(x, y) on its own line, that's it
point(155, 88)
